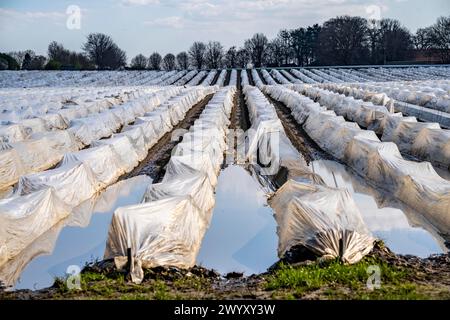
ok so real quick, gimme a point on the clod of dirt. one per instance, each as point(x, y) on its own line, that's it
point(234, 275)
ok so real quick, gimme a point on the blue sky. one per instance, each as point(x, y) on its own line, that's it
point(144, 26)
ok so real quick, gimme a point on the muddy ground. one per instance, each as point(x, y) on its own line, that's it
point(402, 277)
point(159, 155)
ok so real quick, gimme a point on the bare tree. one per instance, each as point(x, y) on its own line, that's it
point(230, 57)
point(139, 62)
point(344, 41)
point(440, 38)
point(241, 58)
point(33, 62)
point(27, 59)
point(213, 55)
point(169, 62)
point(257, 49)
point(104, 53)
point(57, 52)
point(389, 41)
point(197, 54)
point(183, 60)
point(115, 58)
point(423, 38)
point(20, 55)
point(283, 41)
point(275, 52)
point(154, 62)
point(38, 63)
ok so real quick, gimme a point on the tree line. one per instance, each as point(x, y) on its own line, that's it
point(343, 40)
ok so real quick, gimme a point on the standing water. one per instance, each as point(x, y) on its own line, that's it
point(242, 234)
point(74, 241)
point(401, 228)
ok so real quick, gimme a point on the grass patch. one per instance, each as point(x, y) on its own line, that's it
point(305, 279)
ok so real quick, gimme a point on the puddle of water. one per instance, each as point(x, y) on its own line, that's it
point(76, 240)
point(402, 229)
point(242, 234)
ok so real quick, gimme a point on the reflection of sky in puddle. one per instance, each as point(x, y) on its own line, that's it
point(242, 234)
point(82, 238)
point(388, 223)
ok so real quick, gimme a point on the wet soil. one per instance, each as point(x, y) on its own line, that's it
point(292, 74)
point(261, 76)
point(159, 155)
point(227, 78)
point(419, 279)
point(216, 77)
point(301, 141)
point(250, 78)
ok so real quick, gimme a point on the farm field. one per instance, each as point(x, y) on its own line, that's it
point(240, 171)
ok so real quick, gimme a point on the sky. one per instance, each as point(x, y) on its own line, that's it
point(145, 26)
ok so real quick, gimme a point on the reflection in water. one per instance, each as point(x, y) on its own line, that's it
point(242, 234)
point(76, 240)
point(403, 230)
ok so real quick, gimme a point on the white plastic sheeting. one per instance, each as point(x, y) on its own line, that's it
point(325, 220)
point(198, 77)
point(279, 77)
point(431, 99)
point(23, 244)
point(33, 79)
point(48, 196)
point(186, 78)
point(244, 78)
point(23, 219)
point(221, 79)
point(268, 77)
point(257, 79)
point(233, 78)
point(302, 76)
point(19, 123)
point(425, 141)
point(209, 78)
point(290, 77)
point(168, 227)
point(416, 184)
point(44, 150)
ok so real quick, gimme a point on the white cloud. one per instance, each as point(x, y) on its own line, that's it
point(31, 15)
point(139, 2)
point(167, 22)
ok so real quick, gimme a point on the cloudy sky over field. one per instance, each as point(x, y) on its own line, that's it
point(144, 26)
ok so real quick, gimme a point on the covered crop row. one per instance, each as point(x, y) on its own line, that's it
point(42, 119)
point(27, 105)
point(303, 77)
point(425, 141)
point(256, 79)
point(267, 77)
point(430, 100)
point(422, 113)
point(186, 78)
point(221, 79)
point(290, 77)
point(198, 77)
point(168, 226)
point(244, 78)
point(209, 78)
point(42, 199)
point(416, 184)
point(279, 77)
point(44, 150)
point(233, 78)
point(309, 213)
